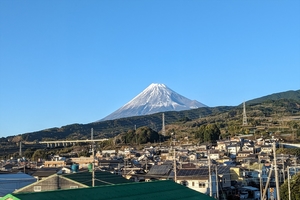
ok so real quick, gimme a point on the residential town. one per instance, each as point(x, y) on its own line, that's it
point(236, 168)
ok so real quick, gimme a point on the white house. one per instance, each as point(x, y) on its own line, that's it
point(249, 148)
point(232, 150)
point(221, 146)
point(215, 155)
point(198, 179)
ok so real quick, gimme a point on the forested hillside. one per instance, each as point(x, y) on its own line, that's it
point(274, 111)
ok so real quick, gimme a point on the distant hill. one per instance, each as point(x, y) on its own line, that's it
point(291, 94)
point(111, 128)
point(287, 103)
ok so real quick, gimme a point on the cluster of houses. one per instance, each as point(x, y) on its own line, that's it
point(228, 169)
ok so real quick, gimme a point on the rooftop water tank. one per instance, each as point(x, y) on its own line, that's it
point(75, 168)
point(90, 167)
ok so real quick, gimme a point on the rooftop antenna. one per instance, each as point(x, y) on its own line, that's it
point(245, 123)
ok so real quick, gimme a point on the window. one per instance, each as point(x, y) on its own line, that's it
point(73, 186)
point(37, 188)
point(193, 184)
point(201, 185)
point(224, 180)
point(185, 183)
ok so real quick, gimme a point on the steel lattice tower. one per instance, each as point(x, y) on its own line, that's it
point(245, 123)
point(163, 125)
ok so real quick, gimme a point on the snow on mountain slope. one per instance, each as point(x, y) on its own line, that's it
point(155, 98)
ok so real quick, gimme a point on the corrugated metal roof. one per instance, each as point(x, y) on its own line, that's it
point(17, 176)
point(158, 190)
point(11, 182)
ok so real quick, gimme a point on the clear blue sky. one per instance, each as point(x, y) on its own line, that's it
point(64, 62)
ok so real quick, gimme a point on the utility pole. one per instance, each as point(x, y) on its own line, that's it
point(260, 178)
point(267, 184)
point(174, 157)
point(276, 170)
point(283, 168)
point(289, 184)
point(217, 183)
point(93, 172)
point(209, 172)
point(175, 172)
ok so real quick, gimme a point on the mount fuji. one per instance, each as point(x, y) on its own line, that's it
point(155, 98)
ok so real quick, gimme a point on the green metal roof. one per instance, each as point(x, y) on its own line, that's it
point(9, 197)
point(101, 178)
point(158, 190)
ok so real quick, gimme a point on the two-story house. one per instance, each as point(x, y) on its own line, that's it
point(248, 148)
point(232, 150)
point(221, 146)
point(203, 180)
point(242, 155)
point(266, 149)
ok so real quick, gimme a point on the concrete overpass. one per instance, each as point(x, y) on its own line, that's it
point(65, 143)
point(290, 145)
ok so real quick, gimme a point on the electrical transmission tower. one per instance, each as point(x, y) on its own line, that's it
point(245, 123)
point(163, 125)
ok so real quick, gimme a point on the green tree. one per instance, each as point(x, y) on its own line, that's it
point(294, 188)
point(85, 152)
point(28, 153)
point(199, 134)
point(208, 133)
point(146, 134)
point(40, 153)
point(290, 151)
point(129, 136)
point(140, 136)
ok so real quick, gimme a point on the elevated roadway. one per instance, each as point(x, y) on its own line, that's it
point(290, 145)
point(64, 143)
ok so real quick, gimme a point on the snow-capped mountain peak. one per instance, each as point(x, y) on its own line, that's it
point(155, 98)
